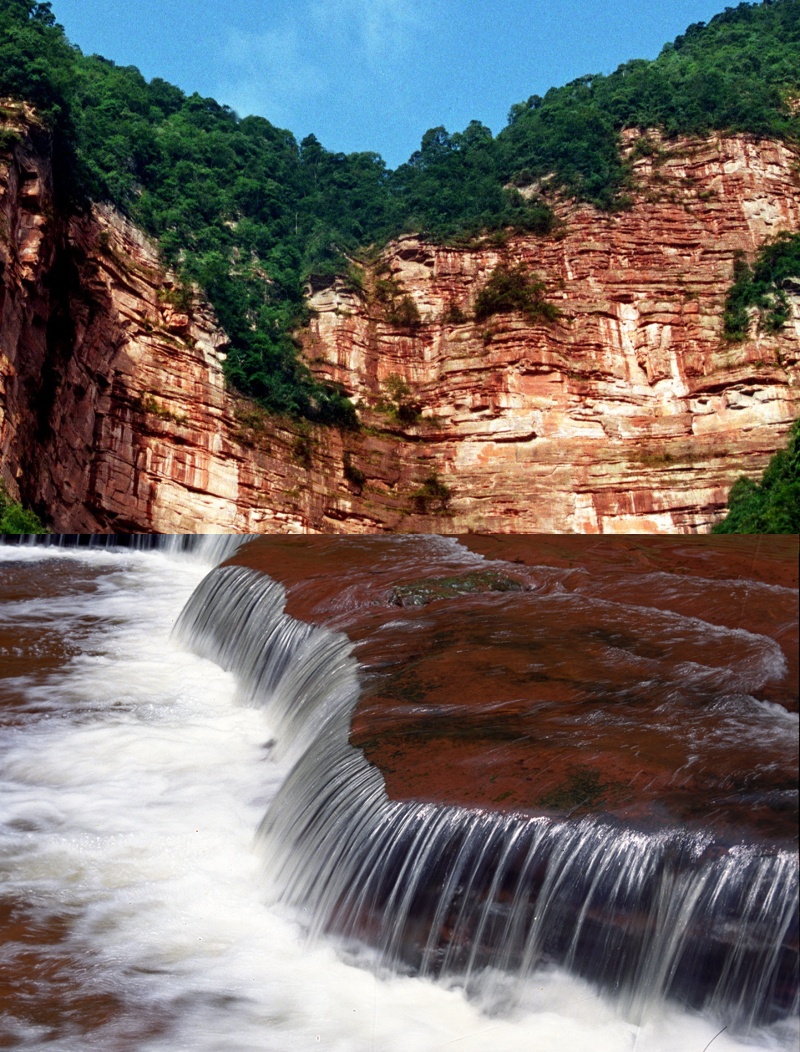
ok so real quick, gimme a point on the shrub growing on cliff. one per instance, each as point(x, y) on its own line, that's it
point(14, 519)
point(397, 307)
point(772, 505)
point(404, 314)
point(354, 475)
point(514, 289)
point(762, 287)
point(432, 496)
point(400, 400)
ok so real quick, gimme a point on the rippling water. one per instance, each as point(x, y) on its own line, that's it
point(133, 905)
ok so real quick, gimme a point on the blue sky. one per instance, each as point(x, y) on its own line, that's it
point(375, 74)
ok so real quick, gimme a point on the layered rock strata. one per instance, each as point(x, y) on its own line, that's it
point(627, 413)
point(630, 412)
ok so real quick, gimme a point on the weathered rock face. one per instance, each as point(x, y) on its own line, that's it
point(599, 743)
point(113, 408)
point(628, 413)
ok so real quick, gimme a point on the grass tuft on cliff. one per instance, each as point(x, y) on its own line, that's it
point(773, 504)
point(251, 215)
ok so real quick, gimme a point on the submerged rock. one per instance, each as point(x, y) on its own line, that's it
point(431, 589)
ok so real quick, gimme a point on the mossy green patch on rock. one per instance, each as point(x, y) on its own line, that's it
point(420, 593)
point(581, 788)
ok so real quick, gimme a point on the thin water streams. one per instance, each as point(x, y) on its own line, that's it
point(143, 911)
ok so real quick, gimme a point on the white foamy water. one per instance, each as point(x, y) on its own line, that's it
point(132, 783)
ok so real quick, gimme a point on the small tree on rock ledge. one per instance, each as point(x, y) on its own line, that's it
point(432, 496)
point(511, 289)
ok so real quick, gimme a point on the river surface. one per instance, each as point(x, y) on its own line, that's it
point(135, 910)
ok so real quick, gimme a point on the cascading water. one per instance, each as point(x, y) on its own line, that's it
point(209, 548)
point(457, 892)
point(133, 775)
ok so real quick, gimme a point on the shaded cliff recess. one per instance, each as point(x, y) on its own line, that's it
point(554, 362)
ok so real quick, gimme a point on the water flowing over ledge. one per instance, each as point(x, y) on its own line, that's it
point(210, 548)
point(476, 895)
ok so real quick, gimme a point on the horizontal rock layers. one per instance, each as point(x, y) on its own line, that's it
point(629, 412)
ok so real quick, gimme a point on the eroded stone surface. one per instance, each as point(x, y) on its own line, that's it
point(646, 679)
point(628, 414)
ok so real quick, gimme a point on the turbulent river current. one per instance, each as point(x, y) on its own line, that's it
point(207, 844)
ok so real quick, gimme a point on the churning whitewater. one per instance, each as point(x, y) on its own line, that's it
point(160, 777)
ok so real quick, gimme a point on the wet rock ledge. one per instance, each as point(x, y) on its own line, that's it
point(646, 680)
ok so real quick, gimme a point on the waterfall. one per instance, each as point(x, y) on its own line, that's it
point(307, 675)
point(480, 897)
point(210, 548)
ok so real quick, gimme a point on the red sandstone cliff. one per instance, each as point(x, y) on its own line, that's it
point(628, 413)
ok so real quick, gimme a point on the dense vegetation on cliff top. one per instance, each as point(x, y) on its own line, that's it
point(251, 215)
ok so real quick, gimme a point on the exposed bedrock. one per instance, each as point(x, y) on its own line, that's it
point(564, 680)
point(569, 752)
point(629, 413)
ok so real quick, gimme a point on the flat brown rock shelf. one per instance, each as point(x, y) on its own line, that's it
point(648, 680)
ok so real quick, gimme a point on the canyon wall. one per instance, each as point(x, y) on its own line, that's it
point(627, 413)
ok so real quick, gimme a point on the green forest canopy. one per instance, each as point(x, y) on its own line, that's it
point(244, 210)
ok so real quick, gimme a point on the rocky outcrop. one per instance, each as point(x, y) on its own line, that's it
point(626, 413)
point(629, 412)
point(590, 769)
point(113, 410)
point(548, 674)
